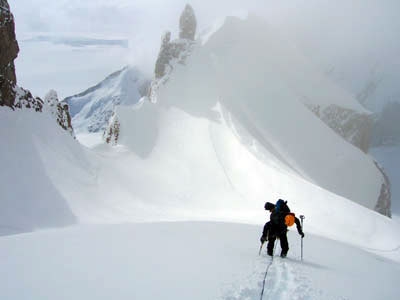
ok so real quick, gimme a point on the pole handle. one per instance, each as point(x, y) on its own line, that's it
point(302, 217)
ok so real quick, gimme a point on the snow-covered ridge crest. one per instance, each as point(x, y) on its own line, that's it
point(240, 68)
point(92, 109)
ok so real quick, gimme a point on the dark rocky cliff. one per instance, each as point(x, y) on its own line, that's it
point(8, 52)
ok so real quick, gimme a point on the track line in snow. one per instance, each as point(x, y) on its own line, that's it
point(287, 278)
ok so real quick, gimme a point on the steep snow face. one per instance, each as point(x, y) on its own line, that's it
point(332, 104)
point(282, 59)
point(235, 69)
point(171, 165)
point(92, 109)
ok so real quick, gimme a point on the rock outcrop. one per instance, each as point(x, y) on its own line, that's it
point(10, 93)
point(174, 51)
point(24, 100)
point(111, 134)
point(8, 52)
point(187, 24)
point(171, 52)
point(353, 126)
point(163, 57)
point(356, 128)
point(60, 111)
point(383, 206)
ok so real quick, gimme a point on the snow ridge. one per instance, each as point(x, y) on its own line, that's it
point(92, 109)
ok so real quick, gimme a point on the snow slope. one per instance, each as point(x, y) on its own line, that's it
point(185, 261)
point(194, 169)
point(29, 199)
point(199, 154)
point(237, 69)
point(211, 177)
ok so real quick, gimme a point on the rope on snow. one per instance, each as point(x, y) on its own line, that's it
point(266, 273)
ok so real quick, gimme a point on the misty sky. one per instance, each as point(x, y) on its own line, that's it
point(355, 38)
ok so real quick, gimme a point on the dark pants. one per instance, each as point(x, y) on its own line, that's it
point(284, 243)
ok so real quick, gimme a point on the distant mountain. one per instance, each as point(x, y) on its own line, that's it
point(92, 109)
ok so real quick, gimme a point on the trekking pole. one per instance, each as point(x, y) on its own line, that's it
point(259, 252)
point(302, 218)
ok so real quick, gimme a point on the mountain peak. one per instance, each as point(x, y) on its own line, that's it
point(92, 109)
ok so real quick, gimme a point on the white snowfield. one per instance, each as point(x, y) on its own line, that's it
point(210, 153)
point(177, 260)
point(185, 261)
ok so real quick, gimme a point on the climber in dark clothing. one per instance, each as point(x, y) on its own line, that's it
point(280, 219)
point(270, 236)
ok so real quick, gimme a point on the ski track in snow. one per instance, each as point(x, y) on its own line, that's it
point(287, 278)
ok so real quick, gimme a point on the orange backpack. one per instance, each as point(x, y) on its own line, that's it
point(289, 219)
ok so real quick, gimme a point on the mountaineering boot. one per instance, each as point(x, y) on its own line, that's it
point(283, 255)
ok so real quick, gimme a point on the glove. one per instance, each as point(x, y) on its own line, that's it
point(262, 240)
point(302, 235)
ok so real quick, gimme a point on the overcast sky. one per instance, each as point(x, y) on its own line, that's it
point(353, 36)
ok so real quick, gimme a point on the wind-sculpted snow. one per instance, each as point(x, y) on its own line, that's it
point(236, 69)
point(332, 104)
point(225, 136)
